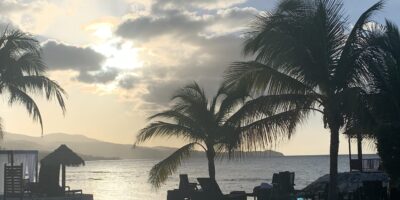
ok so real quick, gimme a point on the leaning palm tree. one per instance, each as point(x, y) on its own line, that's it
point(22, 73)
point(306, 60)
point(217, 127)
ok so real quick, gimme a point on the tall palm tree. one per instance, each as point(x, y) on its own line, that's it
point(217, 127)
point(307, 60)
point(22, 73)
point(384, 98)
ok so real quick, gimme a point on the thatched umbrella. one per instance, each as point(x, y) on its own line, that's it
point(63, 156)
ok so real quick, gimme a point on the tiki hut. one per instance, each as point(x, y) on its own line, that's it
point(50, 168)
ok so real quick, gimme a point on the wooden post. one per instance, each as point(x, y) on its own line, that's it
point(63, 177)
point(359, 147)
point(349, 152)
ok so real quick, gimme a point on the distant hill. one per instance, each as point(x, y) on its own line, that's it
point(92, 149)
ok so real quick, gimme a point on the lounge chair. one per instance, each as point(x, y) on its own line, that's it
point(186, 189)
point(283, 185)
point(212, 191)
point(13, 181)
point(185, 185)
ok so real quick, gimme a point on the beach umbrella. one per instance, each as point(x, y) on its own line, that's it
point(63, 156)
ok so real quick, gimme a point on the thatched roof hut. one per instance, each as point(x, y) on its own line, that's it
point(50, 167)
point(63, 156)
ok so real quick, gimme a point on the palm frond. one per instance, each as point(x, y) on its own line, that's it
point(351, 67)
point(159, 173)
point(19, 96)
point(181, 120)
point(191, 93)
point(234, 98)
point(164, 129)
point(41, 84)
point(262, 78)
point(264, 132)
point(18, 42)
point(23, 73)
point(272, 104)
point(31, 64)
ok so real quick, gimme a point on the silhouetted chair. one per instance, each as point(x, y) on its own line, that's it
point(355, 165)
point(283, 185)
point(212, 191)
point(185, 185)
point(262, 193)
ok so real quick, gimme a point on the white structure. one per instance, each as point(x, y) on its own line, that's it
point(29, 160)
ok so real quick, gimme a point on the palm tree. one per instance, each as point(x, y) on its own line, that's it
point(216, 127)
point(22, 73)
point(306, 60)
point(384, 98)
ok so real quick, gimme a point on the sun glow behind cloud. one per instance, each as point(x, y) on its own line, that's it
point(103, 30)
point(121, 55)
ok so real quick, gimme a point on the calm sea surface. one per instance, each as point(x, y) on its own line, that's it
point(127, 179)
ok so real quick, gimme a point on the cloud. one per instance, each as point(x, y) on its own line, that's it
point(176, 24)
point(232, 20)
point(205, 66)
point(103, 77)
point(202, 4)
point(86, 61)
point(128, 82)
point(160, 92)
point(7, 6)
point(59, 56)
point(180, 47)
point(184, 25)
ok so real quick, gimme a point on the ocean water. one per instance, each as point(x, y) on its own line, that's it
point(127, 179)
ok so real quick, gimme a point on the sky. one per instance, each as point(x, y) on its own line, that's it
point(120, 61)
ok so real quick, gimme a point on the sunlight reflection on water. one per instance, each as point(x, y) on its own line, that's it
point(127, 179)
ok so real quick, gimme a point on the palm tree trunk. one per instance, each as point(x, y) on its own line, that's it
point(211, 163)
point(359, 150)
point(334, 148)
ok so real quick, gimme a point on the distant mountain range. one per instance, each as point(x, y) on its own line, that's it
point(92, 149)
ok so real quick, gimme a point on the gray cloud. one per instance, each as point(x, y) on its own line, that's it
point(176, 24)
point(98, 77)
point(160, 92)
point(221, 51)
point(128, 82)
point(236, 17)
point(202, 4)
point(59, 56)
point(183, 25)
point(7, 6)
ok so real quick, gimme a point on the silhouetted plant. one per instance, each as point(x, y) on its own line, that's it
point(306, 61)
point(22, 73)
point(218, 126)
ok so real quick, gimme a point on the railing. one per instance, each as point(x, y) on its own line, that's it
point(366, 165)
point(372, 164)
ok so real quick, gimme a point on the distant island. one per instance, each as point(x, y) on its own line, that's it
point(92, 149)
